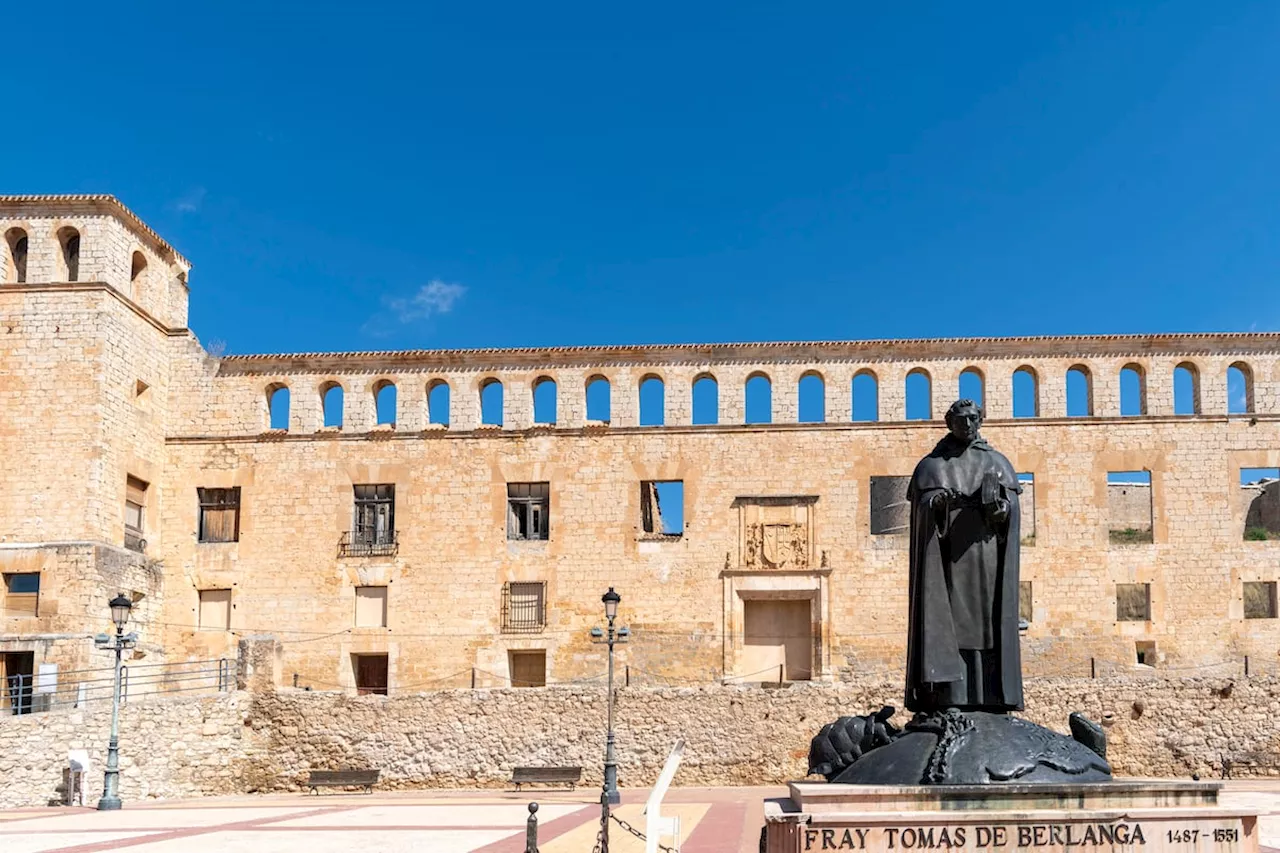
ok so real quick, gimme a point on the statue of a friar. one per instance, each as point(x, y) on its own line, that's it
point(962, 643)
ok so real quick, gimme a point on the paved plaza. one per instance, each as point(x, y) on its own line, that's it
point(713, 819)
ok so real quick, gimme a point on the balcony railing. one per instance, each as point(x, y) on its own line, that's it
point(361, 543)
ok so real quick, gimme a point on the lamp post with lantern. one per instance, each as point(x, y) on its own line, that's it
point(120, 607)
point(610, 637)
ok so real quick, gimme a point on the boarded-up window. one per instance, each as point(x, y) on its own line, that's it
point(528, 668)
point(371, 607)
point(890, 512)
point(1025, 602)
point(371, 674)
point(1129, 511)
point(219, 514)
point(1260, 600)
point(22, 594)
point(1133, 602)
point(528, 510)
point(524, 607)
point(215, 610)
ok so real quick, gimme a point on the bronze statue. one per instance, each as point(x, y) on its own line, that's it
point(962, 641)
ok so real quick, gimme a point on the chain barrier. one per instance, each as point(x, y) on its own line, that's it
point(602, 837)
point(637, 833)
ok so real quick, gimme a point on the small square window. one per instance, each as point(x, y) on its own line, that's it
point(528, 668)
point(371, 607)
point(219, 514)
point(528, 510)
point(1133, 602)
point(1145, 652)
point(1260, 600)
point(22, 594)
point(215, 610)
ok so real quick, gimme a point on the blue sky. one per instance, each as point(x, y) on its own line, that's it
point(443, 175)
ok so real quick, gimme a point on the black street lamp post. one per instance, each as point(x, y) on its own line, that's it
point(610, 599)
point(120, 607)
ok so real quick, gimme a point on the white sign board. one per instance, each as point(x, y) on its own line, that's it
point(47, 678)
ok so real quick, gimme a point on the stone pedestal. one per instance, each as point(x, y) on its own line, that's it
point(1138, 815)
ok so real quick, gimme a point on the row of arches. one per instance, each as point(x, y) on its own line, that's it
point(758, 397)
point(17, 245)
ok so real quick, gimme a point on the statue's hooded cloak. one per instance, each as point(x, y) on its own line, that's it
point(962, 642)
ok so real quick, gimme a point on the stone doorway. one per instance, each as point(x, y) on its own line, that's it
point(777, 639)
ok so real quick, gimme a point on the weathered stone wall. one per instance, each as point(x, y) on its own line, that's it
point(245, 742)
point(169, 747)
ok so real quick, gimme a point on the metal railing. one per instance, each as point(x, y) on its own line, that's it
point(22, 694)
point(365, 543)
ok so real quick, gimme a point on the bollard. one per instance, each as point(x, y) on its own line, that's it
point(295, 680)
point(627, 671)
point(1093, 668)
point(1246, 666)
point(531, 830)
point(780, 666)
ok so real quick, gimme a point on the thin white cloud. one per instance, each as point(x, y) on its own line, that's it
point(434, 297)
point(190, 201)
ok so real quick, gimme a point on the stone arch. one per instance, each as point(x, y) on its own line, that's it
point(973, 385)
point(599, 391)
point(69, 253)
point(706, 399)
point(1026, 392)
point(918, 387)
point(545, 404)
point(758, 402)
point(332, 402)
point(17, 243)
point(1133, 390)
point(277, 397)
point(1079, 391)
point(438, 393)
point(137, 271)
point(811, 398)
point(491, 401)
point(652, 403)
point(1186, 389)
point(385, 402)
point(866, 395)
point(1239, 389)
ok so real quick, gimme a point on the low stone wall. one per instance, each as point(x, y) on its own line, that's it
point(169, 747)
point(243, 742)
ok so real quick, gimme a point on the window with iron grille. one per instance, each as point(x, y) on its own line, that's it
point(524, 607)
point(219, 514)
point(528, 510)
point(375, 514)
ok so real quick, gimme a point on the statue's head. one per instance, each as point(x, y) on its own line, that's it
point(964, 419)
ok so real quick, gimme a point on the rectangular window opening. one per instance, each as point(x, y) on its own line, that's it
point(371, 674)
point(528, 510)
point(1261, 492)
point(1027, 509)
point(528, 667)
point(1026, 607)
point(1129, 512)
point(22, 594)
point(1145, 652)
point(219, 514)
point(524, 607)
point(135, 508)
point(1260, 599)
point(890, 510)
point(215, 610)
point(373, 523)
point(662, 507)
point(1133, 602)
point(371, 607)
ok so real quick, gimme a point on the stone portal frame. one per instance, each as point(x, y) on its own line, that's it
point(811, 585)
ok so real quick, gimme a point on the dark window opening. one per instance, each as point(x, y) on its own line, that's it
point(524, 607)
point(371, 674)
point(70, 240)
point(219, 514)
point(1145, 652)
point(528, 510)
point(17, 240)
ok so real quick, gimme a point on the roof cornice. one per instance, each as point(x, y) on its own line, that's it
point(105, 203)
point(959, 349)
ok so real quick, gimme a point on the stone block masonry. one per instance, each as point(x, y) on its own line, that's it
point(246, 742)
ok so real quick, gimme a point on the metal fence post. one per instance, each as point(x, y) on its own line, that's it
point(531, 830)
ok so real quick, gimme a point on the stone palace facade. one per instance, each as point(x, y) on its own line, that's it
point(409, 520)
